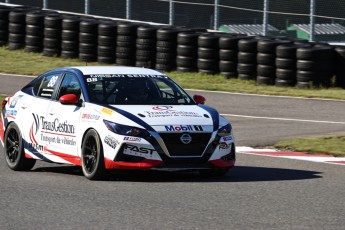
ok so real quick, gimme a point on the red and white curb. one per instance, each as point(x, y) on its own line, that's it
point(322, 158)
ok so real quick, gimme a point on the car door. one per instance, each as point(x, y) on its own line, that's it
point(32, 111)
point(64, 121)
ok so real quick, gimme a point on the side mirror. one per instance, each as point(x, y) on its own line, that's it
point(199, 99)
point(69, 99)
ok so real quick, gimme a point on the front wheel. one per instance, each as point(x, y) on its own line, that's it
point(92, 156)
point(14, 151)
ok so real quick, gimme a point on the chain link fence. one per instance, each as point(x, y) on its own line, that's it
point(212, 14)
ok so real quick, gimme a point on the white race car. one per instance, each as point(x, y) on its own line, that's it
point(105, 118)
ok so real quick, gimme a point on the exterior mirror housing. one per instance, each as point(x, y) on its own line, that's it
point(199, 99)
point(69, 99)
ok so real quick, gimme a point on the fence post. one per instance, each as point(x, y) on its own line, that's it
point(312, 20)
point(128, 9)
point(171, 12)
point(265, 18)
point(216, 14)
point(87, 7)
point(44, 4)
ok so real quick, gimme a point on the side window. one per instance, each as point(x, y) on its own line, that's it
point(47, 86)
point(70, 85)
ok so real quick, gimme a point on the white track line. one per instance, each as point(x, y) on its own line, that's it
point(283, 119)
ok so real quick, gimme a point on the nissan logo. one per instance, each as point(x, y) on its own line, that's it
point(186, 138)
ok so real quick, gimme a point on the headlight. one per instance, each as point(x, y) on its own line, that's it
point(126, 130)
point(225, 130)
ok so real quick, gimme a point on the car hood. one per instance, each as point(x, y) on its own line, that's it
point(169, 115)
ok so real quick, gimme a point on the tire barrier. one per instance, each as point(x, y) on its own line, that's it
point(70, 36)
point(267, 73)
point(52, 35)
point(274, 60)
point(315, 66)
point(228, 49)
point(4, 13)
point(106, 50)
point(247, 51)
point(146, 46)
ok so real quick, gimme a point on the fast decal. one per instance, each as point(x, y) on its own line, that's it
point(14, 101)
point(166, 111)
point(132, 139)
point(141, 151)
point(111, 141)
point(107, 111)
point(183, 128)
point(214, 115)
point(87, 116)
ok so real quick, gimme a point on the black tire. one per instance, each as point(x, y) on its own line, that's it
point(269, 46)
point(213, 172)
point(227, 66)
point(315, 53)
point(246, 57)
point(228, 55)
point(285, 63)
point(248, 45)
point(266, 59)
point(266, 71)
point(92, 156)
point(14, 150)
point(286, 74)
point(285, 83)
point(263, 80)
point(188, 51)
point(188, 38)
point(208, 53)
point(147, 32)
point(208, 41)
point(228, 42)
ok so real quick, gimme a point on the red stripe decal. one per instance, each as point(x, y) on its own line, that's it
point(28, 156)
point(219, 163)
point(146, 164)
point(72, 159)
point(2, 130)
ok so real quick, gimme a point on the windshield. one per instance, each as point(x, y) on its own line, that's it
point(135, 90)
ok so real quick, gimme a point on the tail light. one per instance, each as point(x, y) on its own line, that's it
point(4, 102)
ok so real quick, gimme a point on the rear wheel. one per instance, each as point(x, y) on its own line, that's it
point(92, 156)
point(14, 151)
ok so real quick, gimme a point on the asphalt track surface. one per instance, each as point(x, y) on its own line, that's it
point(259, 193)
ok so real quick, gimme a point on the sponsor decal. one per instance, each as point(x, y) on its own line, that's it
point(123, 75)
point(89, 116)
point(166, 112)
point(107, 111)
point(52, 81)
point(186, 138)
point(35, 146)
point(163, 108)
point(141, 151)
point(227, 138)
point(224, 145)
point(183, 128)
point(14, 101)
point(11, 113)
point(52, 125)
point(111, 141)
point(132, 139)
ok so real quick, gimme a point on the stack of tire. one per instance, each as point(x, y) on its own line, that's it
point(52, 35)
point(286, 63)
point(34, 31)
point(106, 51)
point(146, 46)
point(4, 12)
point(166, 49)
point(340, 67)
point(315, 66)
point(208, 53)
point(16, 28)
point(70, 36)
point(88, 36)
point(246, 57)
point(187, 51)
point(228, 49)
point(126, 43)
point(267, 73)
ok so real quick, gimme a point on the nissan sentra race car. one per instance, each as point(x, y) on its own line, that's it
point(103, 118)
